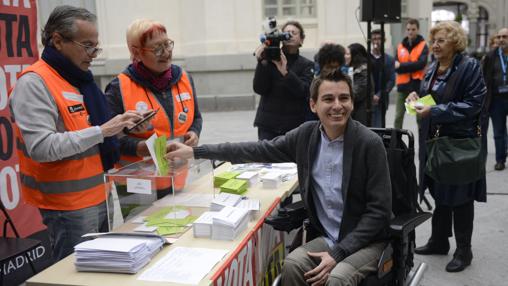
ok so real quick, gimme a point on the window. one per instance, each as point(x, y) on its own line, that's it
point(290, 8)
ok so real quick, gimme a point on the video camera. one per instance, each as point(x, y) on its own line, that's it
point(273, 37)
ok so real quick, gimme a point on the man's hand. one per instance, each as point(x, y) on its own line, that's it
point(119, 122)
point(258, 53)
point(413, 96)
point(177, 150)
point(319, 275)
point(397, 64)
point(422, 111)
point(375, 99)
point(190, 139)
point(282, 64)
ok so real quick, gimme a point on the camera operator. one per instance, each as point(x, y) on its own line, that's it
point(283, 85)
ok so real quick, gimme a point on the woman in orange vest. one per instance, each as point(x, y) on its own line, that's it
point(152, 82)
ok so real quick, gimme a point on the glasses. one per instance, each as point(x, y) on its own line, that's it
point(159, 50)
point(90, 50)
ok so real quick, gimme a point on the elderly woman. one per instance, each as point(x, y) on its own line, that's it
point(455, 82)
point(356, 58)
point(152, 82)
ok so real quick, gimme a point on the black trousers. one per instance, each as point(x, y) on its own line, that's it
point(461, 217)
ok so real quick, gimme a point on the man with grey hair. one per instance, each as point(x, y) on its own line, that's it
point(66, 138)
point(495, 66)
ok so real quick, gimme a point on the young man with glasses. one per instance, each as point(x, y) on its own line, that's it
point(66, 136)
point(153, 82)
point(495, 71)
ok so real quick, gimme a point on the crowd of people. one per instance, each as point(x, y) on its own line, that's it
point(313, 113)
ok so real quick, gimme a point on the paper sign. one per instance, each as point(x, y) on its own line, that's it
point(139, 186)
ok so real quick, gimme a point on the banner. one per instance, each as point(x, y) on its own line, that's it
point(18, 49)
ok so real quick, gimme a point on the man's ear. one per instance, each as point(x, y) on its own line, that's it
point(312, 105)
point(57, 41)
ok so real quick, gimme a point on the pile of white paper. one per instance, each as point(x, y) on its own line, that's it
point(252, 205)
point(223, 200)
point(202, 227)
point(122, 254)
point(250, 176)
point(229, 222)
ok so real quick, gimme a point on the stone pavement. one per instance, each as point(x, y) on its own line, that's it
point(490, 239)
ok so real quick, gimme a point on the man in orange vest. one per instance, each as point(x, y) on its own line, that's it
point(410, 62)
point(66, 138)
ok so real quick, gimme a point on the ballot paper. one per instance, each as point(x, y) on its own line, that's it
point(252, 205)
point(184, 265)
point(229, 222)
point(224, 199)
point(271, 180)
point(202, 226)
point(250, 176)
point(119, 254)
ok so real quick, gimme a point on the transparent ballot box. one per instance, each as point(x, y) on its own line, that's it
point(141, 200)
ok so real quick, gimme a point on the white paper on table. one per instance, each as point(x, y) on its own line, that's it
point(184, 265)
point(188, 200)
point(150, 144)
point(139, 186)
point(139, 219)
point(145, 228)
point(249, 204)
point(178, 214)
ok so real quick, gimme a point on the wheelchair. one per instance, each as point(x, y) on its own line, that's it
point(395, 266)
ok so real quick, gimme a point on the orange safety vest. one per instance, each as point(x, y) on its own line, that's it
point(136, 97)
point(72, 183)
point(405, 56)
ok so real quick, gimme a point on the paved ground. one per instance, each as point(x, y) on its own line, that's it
point(490, 239)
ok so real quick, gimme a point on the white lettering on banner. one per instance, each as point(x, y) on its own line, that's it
point(12, 71)
point(21, 260)
point(241, 270)
point(8, 174)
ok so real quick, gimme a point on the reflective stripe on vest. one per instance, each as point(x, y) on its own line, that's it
point(404, 56)
point(74, 182)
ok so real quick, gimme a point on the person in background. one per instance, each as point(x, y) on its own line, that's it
point(383, 73)
point(153, 82)
point(346, 188)
point(283, 85)
point(65, 131)
point(455, 82)
point(358, 63)
point(495, 70)
point(410, 62)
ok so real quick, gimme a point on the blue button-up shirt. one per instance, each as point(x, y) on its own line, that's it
point(327, 183)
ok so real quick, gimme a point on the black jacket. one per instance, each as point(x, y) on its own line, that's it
point(366, 186)
point(284, 100)
point(409, 67)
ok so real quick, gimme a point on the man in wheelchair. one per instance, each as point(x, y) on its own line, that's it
point(345, 185)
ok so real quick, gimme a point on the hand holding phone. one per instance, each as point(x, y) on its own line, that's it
point(146, 117)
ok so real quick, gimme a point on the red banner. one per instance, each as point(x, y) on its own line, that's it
point(18, 49)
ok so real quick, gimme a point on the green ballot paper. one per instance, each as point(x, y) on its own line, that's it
point(427, 100)
point(220, 179)
point(234, 186)
point(160, 155)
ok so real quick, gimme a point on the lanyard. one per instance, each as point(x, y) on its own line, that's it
point(503, 64)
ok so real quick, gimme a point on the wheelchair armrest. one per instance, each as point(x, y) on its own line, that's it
point(401, 225)
point(288, 217)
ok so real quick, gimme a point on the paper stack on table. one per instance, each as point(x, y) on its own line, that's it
point(234, 186)
point(271, 180)
point(222, 178)
point(225, 199)
point(202, 227)
point(119, 254)
point(229, 222)
point(252, 205)
point(250, 176)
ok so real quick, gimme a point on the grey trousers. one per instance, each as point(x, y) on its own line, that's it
point(350, 271)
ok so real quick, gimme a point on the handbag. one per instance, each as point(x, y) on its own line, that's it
point(455, 161)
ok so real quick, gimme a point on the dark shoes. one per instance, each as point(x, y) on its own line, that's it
point(461, 259)
point(499, 166)
point(432, 248)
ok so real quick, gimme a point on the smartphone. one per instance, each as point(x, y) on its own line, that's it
point(147, 116)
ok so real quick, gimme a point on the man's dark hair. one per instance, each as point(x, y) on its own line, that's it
point(62, 20)
point(359, 55)
point(376, 32)
point(296, 24)
point(412, 21)
point(334, 76)
point(330, 53)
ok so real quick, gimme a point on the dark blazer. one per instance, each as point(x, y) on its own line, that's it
point(366, 187)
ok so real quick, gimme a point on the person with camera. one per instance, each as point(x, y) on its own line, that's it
point(283, 84)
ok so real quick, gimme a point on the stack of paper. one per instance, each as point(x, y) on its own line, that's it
point(223, 200)
point(229, 222)
point(222, 178)
point(202, 227)
point(252, 205)
point(234, 186)
point(271, 180)
point(250, 176)
point(121, 254)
